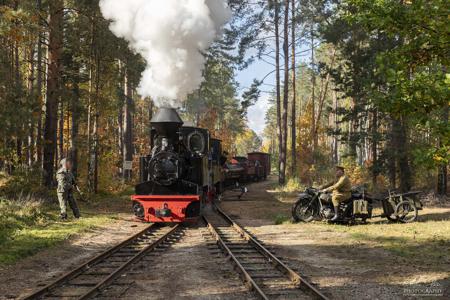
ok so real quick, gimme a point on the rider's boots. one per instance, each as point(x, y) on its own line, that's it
point(336, 214)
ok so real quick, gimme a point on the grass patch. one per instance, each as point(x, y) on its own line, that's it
point(28, 226)
point(427, 242)
point(293, 185)
point(288, 191)
point(282, 219)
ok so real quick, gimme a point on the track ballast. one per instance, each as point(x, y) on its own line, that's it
point(261, 271)
point(90, 278)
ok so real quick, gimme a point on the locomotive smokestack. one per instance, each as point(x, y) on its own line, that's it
point(167, 122)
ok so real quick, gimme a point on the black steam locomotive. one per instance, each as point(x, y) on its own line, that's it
point(182, 172)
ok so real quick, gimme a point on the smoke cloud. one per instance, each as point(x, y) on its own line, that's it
point(171, 36)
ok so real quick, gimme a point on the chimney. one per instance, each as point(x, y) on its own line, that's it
point(167, 122)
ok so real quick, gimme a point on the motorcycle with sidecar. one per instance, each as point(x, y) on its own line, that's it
point(313, 204)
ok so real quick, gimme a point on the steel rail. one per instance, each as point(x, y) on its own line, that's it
point(293, 276)
point(96, 289)
point(72, 274)
point(249, 280)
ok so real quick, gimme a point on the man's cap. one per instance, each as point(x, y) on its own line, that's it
point(339, 168)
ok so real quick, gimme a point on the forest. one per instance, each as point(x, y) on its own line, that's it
point(360, 83)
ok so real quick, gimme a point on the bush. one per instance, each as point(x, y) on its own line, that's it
point(18, 214)
point(23, 181)
point(293, 185)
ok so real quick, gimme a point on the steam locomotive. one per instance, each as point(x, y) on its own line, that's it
point(181, 174)
point(186, 169)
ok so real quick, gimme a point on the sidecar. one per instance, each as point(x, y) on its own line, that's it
point(401, 207)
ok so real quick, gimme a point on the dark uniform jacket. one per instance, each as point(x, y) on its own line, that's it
point(65, 180)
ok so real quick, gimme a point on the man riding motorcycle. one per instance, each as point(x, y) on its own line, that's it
point(341, 190)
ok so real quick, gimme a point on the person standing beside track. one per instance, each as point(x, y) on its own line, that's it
point(66, 182)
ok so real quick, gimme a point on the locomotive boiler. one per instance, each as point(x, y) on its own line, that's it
point(179, 174)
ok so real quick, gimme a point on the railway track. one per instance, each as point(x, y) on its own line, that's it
point(89, 279)
point(261, 271)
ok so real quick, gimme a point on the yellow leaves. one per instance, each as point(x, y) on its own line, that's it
point(439, 159)
point(247, 142)
point(357, 174)
point(16, 25)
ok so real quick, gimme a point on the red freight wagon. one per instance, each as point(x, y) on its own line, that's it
point(263, 159)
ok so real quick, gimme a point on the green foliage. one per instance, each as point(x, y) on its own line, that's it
point(19, 214)
point(23, 181)
point(246, 142)
point(28, 225)
point(414, 73)
point(251, 96)
point(281, 219)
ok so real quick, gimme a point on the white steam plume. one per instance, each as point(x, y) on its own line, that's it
point(170, 35)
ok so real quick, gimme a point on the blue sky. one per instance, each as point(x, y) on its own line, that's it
point(257, 113)
point(259, 69)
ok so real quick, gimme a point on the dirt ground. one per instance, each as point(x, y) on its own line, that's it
point(25, 276)
point(341, 266)
point(192, 268)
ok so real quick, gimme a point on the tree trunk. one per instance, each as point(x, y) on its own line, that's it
point(391, 156)
point(285, 93)
point(90, 173)
point(61, 130)
point(53, 87)
point(96, 125)
point(31, 123)
point(336, 128)
point(375, 166)
point(19, 95)
point(403, 159)
point(399, 155)
point(75, 125)
point(39, 84)
point(95, 151)
point(278, 88)
point(442, 169)
point(322, 98)
point(294, 96)
point(127, 132)
point(313, 96)
point(120, 118)
point(353, 131)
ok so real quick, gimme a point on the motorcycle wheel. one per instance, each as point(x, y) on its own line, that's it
point(406, 211)
point(302, 212)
